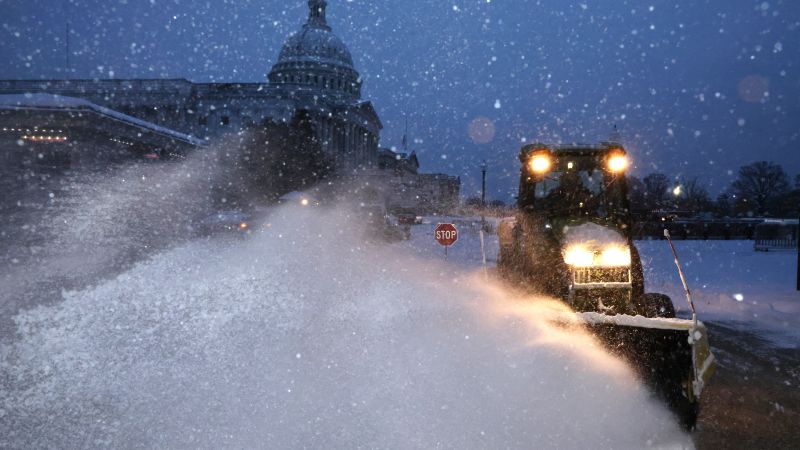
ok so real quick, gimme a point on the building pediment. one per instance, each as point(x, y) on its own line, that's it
point(368, 110)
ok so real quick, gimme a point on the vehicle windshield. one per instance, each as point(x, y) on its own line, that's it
point(574, 192)
point(590, 181)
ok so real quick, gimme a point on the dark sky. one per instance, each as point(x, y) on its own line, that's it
point(697, 88)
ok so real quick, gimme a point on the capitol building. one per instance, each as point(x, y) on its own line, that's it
point(314, 73)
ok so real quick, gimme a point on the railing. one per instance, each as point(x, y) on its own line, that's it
point(765, 245)
point(700, 229)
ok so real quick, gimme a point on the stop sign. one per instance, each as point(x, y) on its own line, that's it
point(445, 234)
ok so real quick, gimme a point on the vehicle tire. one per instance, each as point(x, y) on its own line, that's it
point(658, 305)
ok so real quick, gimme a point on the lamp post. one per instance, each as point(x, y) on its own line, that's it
point(483, 217)
point(483, 184)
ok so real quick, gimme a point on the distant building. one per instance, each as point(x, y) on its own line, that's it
point(398, 163)
point(46, 131)
point(406, 190)
point(314, 73)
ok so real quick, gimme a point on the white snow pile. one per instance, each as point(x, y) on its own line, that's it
point(302, 336)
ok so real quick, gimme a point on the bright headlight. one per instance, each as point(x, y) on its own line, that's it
point(613, 256)
point(616, 256)
point(618, 163)
point(578, 256)
point(540, 163)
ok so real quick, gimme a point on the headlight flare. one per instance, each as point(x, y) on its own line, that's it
point(616, 256)
point(540, 163)
point(578, 256)
point(612, 256)
point(618, 163)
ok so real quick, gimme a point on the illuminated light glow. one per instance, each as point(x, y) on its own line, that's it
point(243, 225)
point(613, 256)
point(570, 165)
point(677, 191)
point(618, 163)
point(540, 163)
point(738, 297)
point(43, 138)
point(616, 256)
point(578, 256)
point(304, 202)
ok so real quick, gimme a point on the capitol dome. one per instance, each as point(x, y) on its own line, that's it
point(316, 58)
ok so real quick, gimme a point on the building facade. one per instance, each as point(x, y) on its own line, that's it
point(407, 190)
point(314, 73)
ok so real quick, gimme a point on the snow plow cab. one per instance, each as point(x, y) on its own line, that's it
point(571, 239)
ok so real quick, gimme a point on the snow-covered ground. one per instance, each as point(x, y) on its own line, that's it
point(731, 283)
point(304, 336)
point(729, 280)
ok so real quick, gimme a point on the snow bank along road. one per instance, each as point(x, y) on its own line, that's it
point(304, 336)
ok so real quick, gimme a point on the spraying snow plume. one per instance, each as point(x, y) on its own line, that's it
point(68, 229)
point(303, 336)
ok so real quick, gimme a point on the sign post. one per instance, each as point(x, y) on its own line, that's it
point(446, 234)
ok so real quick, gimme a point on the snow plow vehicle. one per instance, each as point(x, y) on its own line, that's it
point(571, 239)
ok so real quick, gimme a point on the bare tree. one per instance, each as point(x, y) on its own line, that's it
point(693, 196)
point(759, 187)
point(722, 207)
point(636, 193)
point(656, 190)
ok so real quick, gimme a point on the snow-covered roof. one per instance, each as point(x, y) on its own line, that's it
point(782, 221)
point(59, 102)
point(318, 45)
point(316, 42)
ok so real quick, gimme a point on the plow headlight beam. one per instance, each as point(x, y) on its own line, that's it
point(540, 162)
point(616, 256)
point(618, 162)
point(578, 256)
point(612, 256)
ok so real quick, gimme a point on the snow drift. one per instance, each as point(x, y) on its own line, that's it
point(302, 336)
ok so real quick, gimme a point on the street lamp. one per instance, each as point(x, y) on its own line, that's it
point(483, 184)
point(483, 216)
